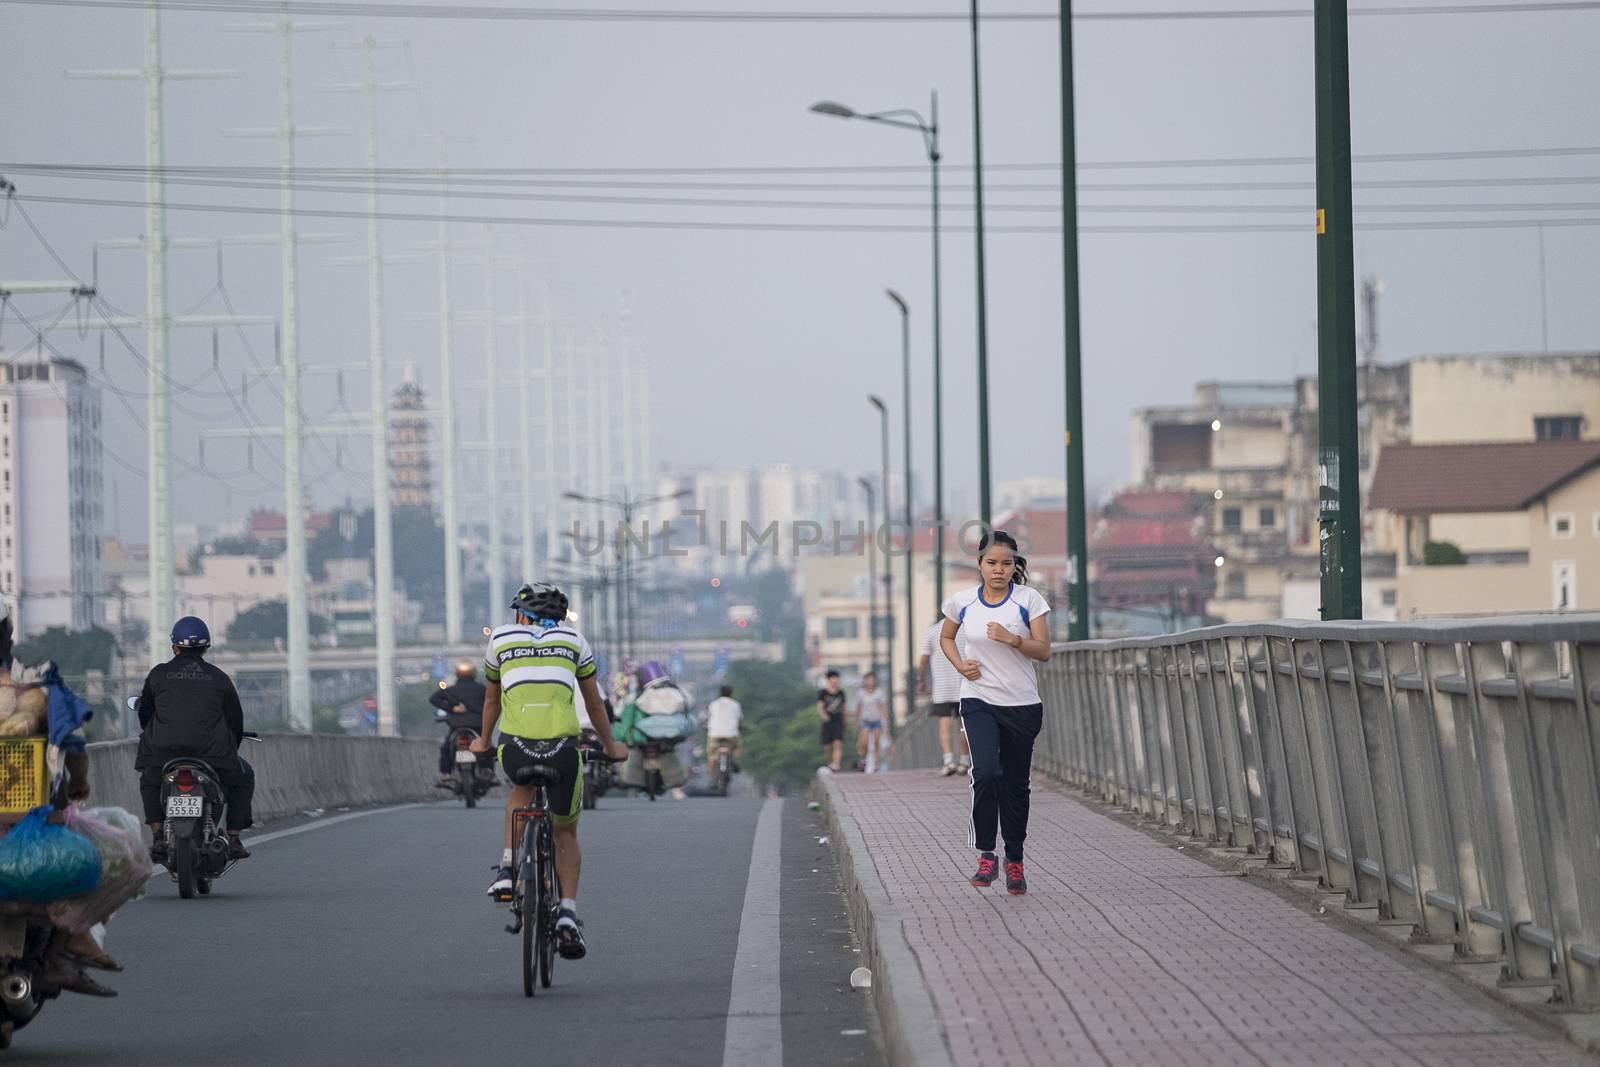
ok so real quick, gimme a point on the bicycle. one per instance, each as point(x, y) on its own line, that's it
point(536, 889)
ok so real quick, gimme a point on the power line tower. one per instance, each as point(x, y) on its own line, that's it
point(156, 323)
point(299, 643)
point(382, 519)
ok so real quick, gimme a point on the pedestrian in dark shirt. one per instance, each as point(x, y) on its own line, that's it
point(831, 708)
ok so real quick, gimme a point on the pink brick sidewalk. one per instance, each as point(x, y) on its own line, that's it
point(1126, 951)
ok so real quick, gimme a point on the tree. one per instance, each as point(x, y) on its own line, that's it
point(269, 621)
point(74, 651)
point(1442, 554)
point(780, 721)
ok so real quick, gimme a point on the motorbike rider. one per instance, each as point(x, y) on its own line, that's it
point(190, 708)
point(723, 716)
point(462, 704)
point(533, 667)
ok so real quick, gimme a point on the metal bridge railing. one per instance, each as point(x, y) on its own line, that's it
point(1445, 773)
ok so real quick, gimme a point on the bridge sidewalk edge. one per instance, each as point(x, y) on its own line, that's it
point(913, 1035)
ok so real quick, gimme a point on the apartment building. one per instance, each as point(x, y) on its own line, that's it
point(51, 493)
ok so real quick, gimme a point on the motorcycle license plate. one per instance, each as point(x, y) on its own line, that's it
point(465, 756)
point(652, 763)
point(13, 935)
point(186, 807)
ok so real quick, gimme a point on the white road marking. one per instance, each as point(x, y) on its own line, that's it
point(317, 824)
point(755, 1025)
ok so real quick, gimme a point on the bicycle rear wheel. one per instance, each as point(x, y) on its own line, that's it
point(550, 902)
point(530, 905)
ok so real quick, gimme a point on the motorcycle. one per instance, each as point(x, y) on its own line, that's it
point(25, 935)
point(650, 754)
point(598, 775)
point(193, 821)
point(473, 777)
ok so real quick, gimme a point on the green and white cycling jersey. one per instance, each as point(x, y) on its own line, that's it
point(538, 672)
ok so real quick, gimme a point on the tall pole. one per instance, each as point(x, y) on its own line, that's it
point(1077, 520)
point(525, 421)
point(911, 619)
point(382, 520)
point(299, 689)
point(888, 570)
point(163, 581)
point(447, 420)
point(1339, 503)
point(491, 371)
point(938, 368)
point(872, 579)
point(985, 512)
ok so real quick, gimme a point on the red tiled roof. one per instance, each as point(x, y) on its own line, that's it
point(1481, 476)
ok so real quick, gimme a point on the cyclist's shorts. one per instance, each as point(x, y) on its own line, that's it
point(566, 796)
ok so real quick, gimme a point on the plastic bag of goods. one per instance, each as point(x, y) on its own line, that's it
point(124, 867)
point(666, 727)
point(40, 860)
point(662, 700)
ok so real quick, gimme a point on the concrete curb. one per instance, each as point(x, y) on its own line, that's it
point(913, 1036)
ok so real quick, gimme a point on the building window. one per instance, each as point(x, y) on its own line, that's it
point(840, 627)
point(1391, 597)
point(1232, 520)
point(1268, 518)
point(1557, 427)
point(1233, 587)
point(268, 570)
point(883, 626)
point(1562, 525)
point(251, 570)
point(1596, 520)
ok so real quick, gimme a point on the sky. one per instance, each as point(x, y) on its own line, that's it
point(764, 343)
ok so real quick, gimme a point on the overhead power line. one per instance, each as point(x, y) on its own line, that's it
point(511, 13)
point(803, 227)
point(454, 174)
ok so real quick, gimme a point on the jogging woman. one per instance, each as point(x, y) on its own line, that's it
point(1002, 625)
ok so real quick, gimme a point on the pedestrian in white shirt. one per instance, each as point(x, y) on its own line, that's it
point(1002, 621)
point(938, 681)
point(871, 710)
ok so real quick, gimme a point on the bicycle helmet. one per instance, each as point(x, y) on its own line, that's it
point(190, 632)
point(541, 600)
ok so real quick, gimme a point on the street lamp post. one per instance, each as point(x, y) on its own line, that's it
point(983, 298)
point(888, 638)
point(628, 505)
point(911, 627)
point(907, 119)
point(872, 579)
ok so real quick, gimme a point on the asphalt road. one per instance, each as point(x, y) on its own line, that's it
point(371, 940)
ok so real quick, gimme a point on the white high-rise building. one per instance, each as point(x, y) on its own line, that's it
point(51, 493)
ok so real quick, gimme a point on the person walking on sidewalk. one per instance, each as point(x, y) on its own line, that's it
point(938, 681)
point(871, 711)
point(830, 709)
point(1002, 623)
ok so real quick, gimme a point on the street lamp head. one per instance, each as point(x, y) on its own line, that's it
point(865, 483)
point(579, 497)
point(899, 301)
point(829, 107)
point(878, 403)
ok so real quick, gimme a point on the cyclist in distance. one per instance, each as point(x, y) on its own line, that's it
point(533, 668)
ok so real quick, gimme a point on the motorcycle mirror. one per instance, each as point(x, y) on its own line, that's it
point(133, 703)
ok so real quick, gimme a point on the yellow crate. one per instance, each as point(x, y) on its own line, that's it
point(23, 782)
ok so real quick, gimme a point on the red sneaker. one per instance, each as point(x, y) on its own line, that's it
point(988, 869)
point(1016, 885)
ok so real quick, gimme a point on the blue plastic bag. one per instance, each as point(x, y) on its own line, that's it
point(42, 861)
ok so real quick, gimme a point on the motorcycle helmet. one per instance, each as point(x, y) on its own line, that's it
point(190, 632)
point(540, 600)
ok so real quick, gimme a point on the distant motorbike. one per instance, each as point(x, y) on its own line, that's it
point(722, 769)
point(598, 771)
point(473, 777)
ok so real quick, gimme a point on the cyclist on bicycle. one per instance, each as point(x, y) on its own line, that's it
point(533, 668)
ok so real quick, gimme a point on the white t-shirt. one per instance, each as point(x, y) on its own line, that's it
point(946, 681)
point(1005, 676)
point(722, 717)
point(871, 706)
